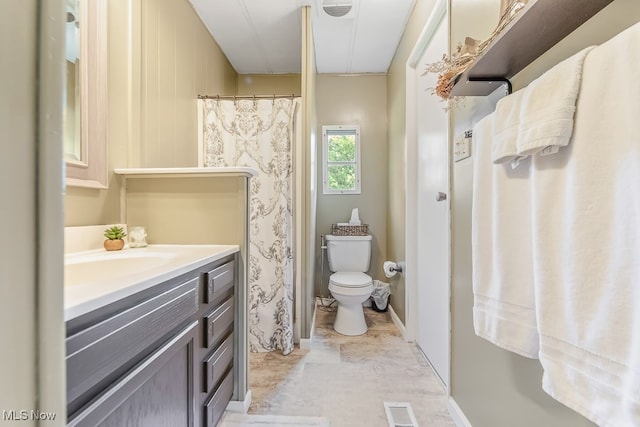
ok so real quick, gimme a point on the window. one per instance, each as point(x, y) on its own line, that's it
point(341, 159)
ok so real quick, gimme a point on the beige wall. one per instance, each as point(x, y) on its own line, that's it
point(153, 84)
point(269, 84)
point(180, 60)
point(396, 136)
point(494, 387)
point(188, 210)
point(356, 100)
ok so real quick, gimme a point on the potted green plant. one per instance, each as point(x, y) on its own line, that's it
point(114, 237)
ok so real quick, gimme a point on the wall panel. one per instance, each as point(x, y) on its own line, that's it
point(157, 66)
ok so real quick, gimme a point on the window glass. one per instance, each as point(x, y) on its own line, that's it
point(341, 159)
point(342, 148)
point(342, 177)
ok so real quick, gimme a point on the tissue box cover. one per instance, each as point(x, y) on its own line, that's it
point(349, 230)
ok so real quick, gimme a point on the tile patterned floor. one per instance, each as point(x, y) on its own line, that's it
point(347, 379)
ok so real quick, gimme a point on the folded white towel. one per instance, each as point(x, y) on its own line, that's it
point(586, 228)
point(504, 309)
point(505, 129)
point(548, 107)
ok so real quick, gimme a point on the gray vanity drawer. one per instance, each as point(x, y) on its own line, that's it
point(218, 281)
point(218, 322)
point(217, 364)
point(149, 394)
point(99, 351)
point(214, 408)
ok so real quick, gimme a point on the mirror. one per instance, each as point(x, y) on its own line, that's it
point(85, 111)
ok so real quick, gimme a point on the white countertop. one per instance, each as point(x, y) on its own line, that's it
point(96, 278)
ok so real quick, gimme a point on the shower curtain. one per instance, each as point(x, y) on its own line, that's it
point(259, 133)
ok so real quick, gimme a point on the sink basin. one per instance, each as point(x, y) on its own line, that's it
point(84, 268)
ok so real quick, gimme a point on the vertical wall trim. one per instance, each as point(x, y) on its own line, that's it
point(302, 225)
point(298, 211)
point(309, 172)
point(18, 246)
point(429, 30)
point(411, 244)
point(242, 316)
point(305, 231)
point(49, 293)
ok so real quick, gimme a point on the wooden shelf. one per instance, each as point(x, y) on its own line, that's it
point(536, 28)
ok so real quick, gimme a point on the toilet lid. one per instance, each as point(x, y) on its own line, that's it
point(350, 280)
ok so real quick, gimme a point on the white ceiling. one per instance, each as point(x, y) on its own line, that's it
point(264, 36)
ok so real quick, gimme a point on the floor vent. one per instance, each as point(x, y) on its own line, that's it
point(400, 414)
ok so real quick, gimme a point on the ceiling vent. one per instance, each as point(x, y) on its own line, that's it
point(337, 8)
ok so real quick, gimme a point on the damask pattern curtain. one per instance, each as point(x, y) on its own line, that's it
point(260, 134)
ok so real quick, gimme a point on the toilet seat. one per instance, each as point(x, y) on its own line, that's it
point(350, 279)
point(350, 283)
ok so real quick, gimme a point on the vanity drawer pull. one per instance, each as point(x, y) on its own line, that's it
point(215, 406)
point(218, 323)
point(217, 364)
point(218, 280)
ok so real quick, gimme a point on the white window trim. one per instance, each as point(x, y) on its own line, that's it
point(325, 159)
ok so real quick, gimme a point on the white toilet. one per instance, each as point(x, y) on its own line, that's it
point(349, 258)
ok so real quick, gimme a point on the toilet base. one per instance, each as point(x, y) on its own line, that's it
point(350, 320)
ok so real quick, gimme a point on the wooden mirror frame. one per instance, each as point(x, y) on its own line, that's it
point(91, 171)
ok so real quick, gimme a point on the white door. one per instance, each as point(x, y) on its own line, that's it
point(433, 230)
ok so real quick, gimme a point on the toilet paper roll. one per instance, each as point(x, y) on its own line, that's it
point(389, 268)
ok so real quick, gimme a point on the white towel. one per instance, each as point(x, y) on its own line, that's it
point(586, 228)
point(505, 129)
point(548, 107)
point(504, 309)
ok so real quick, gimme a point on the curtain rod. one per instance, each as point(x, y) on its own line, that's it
point(234, 97)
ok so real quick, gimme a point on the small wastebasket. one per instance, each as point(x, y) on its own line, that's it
point(380, 296)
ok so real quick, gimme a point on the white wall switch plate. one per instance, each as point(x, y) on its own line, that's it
point(461, 148)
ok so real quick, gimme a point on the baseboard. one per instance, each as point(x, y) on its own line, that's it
point(240, 406)
point(456, 413)
point(396, 321)
point(305, 343)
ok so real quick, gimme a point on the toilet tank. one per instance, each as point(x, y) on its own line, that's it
point(348, 253)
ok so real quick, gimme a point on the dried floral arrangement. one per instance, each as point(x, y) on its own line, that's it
point(449, 68)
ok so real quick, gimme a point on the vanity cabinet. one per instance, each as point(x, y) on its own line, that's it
point(161, 357)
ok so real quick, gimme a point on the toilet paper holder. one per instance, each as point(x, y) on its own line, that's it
point(397, 268)
point(391, 268)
